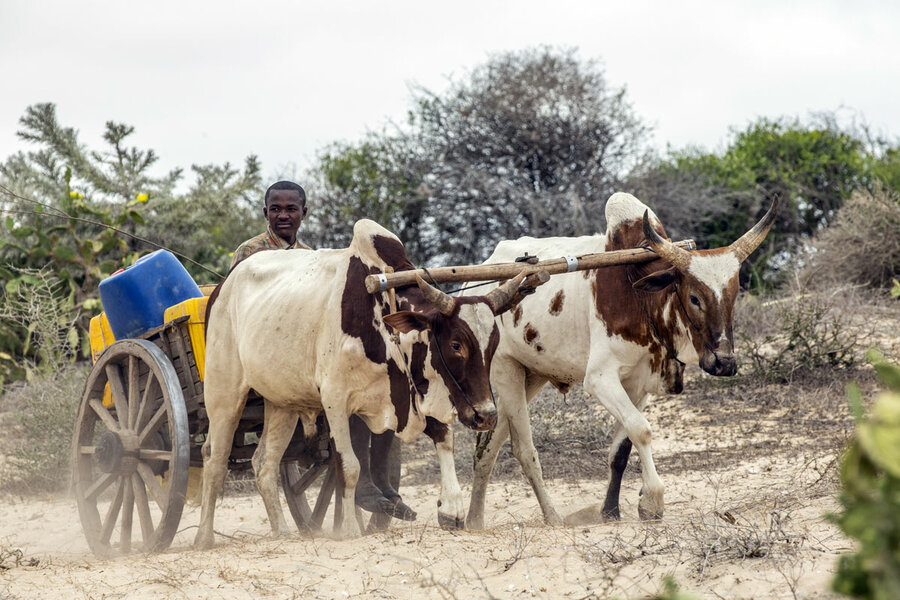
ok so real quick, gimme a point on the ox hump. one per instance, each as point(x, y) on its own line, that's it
point(625, 210)
point(376, 246)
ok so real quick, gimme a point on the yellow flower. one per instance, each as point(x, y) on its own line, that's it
point(142, 197)
point(76, 195)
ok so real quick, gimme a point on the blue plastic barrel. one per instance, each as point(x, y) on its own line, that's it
point(135, 300)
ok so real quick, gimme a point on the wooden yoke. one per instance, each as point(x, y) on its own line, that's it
point(553, 266)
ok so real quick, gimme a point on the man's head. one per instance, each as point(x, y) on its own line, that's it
point(285, 209)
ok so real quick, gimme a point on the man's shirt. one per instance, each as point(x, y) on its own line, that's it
point(264, 241)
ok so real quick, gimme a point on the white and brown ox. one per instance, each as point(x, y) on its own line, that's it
point(301, 330)
point(625, 332)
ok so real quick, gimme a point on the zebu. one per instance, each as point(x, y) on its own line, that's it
point(300, 329)
point(625, 332)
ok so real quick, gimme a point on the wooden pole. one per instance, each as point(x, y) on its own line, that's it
point(566, 264)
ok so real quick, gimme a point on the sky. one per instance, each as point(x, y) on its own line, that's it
point(207, 82)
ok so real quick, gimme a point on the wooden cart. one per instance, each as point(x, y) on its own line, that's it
point(140, 427)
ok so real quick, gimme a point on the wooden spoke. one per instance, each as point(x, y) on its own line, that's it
point(150, 388)
point(156, 492)
point(133, 390)
point(155, 423)
point(86, 449)
point(119, 395)
point(143, 509)
point(127, 515)
point(324, 496)
point(146, 455)
point(112, 515)
point(104, 415)
point(103, 482)
point(307, 478)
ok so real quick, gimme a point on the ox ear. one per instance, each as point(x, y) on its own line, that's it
point(405, 321)
point(656, 282)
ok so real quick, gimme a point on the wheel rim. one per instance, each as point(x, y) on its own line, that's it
point(120, 452)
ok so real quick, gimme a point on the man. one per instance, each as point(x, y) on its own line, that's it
point(284, 209)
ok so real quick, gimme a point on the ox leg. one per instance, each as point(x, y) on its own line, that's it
point(224, 411)
point(522, 443)
point(347, 470)
point(278, 428)
point(451, 508)
point(487, 447)
point(609, 390)
point(619, 450)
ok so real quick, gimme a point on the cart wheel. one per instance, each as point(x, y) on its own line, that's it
point(120, 451)
point(296, 480)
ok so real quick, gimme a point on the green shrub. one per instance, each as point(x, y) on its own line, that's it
point(870, 476)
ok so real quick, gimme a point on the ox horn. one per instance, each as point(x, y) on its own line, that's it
point(679, 257)
point(750, 241)
point(500, 298)
point(438, 299)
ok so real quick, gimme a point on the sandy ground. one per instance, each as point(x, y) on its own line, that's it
point(746, 497)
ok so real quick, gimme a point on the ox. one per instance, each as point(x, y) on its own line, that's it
point(625, 332)
point(300, 329)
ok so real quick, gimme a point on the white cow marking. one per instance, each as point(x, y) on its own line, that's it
point(715, 271)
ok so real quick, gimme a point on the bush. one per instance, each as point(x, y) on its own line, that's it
point(39, 436)
point(863, 245)
point(801, 333)
point(870, 476)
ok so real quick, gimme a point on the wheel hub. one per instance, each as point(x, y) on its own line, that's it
point(116, 453)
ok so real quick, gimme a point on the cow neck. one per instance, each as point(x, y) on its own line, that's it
point(670, 353)
point(415, 393)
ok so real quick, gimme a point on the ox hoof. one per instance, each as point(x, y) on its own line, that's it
point(448, 522)
point(203, 542)
point(651, 505)
point(474, 523)
point(612, 514)
point(554, 520)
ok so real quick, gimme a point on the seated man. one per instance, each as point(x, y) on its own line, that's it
point(379, 455)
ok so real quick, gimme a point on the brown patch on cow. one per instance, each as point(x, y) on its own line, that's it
point(436, 430)
point(400, 393)
point(358, 312)
point(556, 304)
point(392, 252)
point(417, 369)
point(530, 334)
point(517, 315)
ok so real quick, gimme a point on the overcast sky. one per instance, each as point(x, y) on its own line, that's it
point(209, 82)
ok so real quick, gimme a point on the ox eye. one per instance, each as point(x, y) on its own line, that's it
point(695, 301)
point(455, 346)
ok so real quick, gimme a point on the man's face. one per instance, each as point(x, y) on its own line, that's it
point(285, 211)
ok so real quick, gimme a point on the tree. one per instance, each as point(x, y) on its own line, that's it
point(532, 143)
point(83, 214)
point(374, 179)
